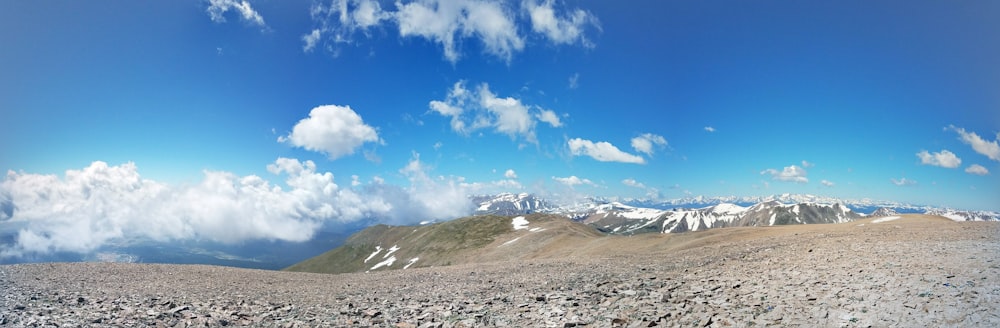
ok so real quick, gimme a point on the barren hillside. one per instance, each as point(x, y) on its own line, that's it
point(905, 271)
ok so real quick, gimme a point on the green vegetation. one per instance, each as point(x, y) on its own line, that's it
point(436, 244)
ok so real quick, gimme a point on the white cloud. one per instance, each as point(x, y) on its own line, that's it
point(709, 129)
point(340, 19)
point(472, 110)
point(310, 40)
point(789, 173)
point(632, 183)
point(560, 30)
point(806, 164)
point(101, 204)
point(903, 182)
point(574, 81)
point(990, 149)
point(218, 8)
point(944, 158)
point(977, 170)
point(645, 143)
point(827, 183)
point(509, 115)
point(549, 117)
point(333, 130)
point(602, 151)
point(447, 22)
point(651, 193)
point(510, 174)
point(573, 181)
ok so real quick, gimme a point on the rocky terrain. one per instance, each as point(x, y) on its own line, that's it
point(907, 270)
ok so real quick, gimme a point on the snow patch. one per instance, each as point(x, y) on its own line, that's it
point(885, 219)
point(519, 223)
point(387, 262)
point(509, 242)
point(392, 249)
point(953, 216)
point(536, 229)
point(377, 250)
point(410, 262)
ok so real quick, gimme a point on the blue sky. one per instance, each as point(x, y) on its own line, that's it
point(433, 98)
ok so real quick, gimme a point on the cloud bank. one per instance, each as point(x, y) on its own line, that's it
point(99, 204)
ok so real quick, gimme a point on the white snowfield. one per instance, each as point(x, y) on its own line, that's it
point(885, 219)
point(377, 250)
point(519, 223)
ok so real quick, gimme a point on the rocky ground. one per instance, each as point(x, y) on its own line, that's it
point(915, 271)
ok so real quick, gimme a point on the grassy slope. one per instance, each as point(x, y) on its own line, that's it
point(436, 244)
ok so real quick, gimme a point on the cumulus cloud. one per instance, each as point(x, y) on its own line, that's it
point(100, 204)
point(573, 181)
point(944, 158)
point(807, 164)
point(446, 22)
point(977, 170)
point(218, 8)
point(827, 183)
point(602, 151)
point(510, 174)
point(709, 129)
point(332, 130)
point(903, 182)
point(471, 110)
point(567, 29)
point(449, 23)
point(645, 143)
point(789, 173)
point(990, 149)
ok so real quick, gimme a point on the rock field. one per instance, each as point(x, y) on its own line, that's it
point(913, 272)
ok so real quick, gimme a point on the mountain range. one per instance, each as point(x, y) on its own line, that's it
point(523, 226)
point(808, 208)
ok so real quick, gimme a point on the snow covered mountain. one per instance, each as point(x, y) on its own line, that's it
point(511, 204)
point(966, 215)
point(698, 213)
point(617, 218)
point(883, 212)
